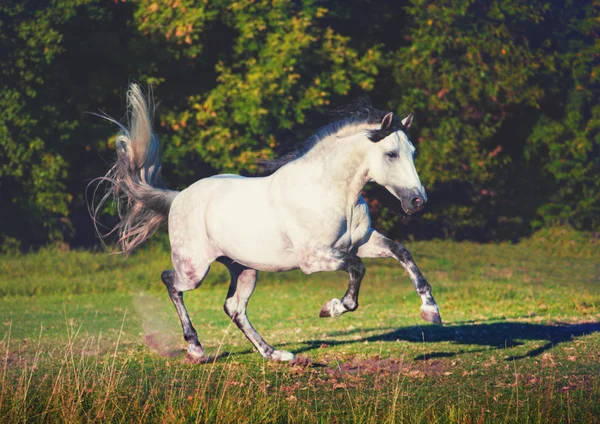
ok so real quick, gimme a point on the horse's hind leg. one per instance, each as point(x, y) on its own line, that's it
point(187, 275)
point(243, 282)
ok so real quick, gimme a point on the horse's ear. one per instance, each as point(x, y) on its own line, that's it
point(407, 121)
point(387, 120)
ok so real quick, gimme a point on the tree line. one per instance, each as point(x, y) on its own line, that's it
point(505, 95)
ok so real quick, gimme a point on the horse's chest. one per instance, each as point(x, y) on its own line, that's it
point(332, 225)
point(354, 228)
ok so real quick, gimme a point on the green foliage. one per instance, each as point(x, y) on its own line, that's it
point(283, 64)
point(567, 146)
point(505, 94)
point(471, 70)
point(466, 66)
point(181, 23)
point(30, 165)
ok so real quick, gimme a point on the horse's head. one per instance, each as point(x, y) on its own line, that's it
point(391, 164)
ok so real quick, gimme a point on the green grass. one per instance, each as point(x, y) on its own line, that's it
point(92, 337)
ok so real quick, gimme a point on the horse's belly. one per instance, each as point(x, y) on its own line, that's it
point(257, 246)
point(245, 228)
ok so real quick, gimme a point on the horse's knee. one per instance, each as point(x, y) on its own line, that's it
point(358, 267)
point(230, 307)
point(401, 252)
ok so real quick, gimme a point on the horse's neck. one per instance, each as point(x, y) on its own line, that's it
point(342, 168)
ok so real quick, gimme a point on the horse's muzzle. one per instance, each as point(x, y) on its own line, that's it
point(412, 200)
point(417, 202)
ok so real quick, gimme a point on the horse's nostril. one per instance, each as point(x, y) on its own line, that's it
point(417, 202)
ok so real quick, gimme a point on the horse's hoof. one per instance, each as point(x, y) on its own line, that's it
point(324, 313)
point(430, 313)
point(195, 353)
point(333, 308)
point(198, 360)
point(282, 355)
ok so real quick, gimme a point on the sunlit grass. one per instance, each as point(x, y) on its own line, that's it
point(91, 337)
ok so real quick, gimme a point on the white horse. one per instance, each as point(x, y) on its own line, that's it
point(309, 214)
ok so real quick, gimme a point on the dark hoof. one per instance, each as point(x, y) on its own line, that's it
point(431, 316)
point(333, 308)
point(325, 313)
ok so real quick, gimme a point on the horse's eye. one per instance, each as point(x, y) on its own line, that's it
point(392, 155)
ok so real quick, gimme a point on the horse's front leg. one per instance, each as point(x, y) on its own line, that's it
point(379, 246)
point(324, 258)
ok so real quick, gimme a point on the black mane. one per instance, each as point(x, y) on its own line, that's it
point(355, 114)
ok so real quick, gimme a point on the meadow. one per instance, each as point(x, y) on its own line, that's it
point(92, 337)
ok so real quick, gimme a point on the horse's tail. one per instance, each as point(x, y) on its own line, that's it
point(134, 183)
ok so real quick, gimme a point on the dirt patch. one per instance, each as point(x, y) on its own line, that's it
point(566, 383)
point(355, 372)
point(17, 359)
point(369, 366)
point(11, 359)
point(376, 365)
point(303, 362)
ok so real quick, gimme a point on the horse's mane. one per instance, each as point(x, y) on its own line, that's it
point(358, 115)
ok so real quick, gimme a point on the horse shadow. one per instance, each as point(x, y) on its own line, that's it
point(496, 335)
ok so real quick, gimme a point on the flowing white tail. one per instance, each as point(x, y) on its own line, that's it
point(143, 202)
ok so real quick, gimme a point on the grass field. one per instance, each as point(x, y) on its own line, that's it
point(92, 337)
